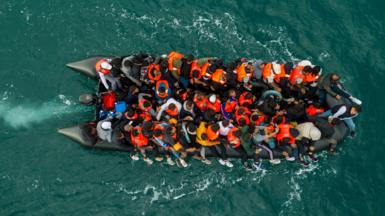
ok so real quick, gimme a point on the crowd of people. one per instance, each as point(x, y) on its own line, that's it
point(175, 106)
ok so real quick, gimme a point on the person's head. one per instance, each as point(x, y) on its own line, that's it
point(133, 89)
point(248, 96)
point(130, 113)
point(190, 58)
point(225, 123)
point(355, 109)
point(254, 117)
point(279, 119)
point(237, 133)
point(157, 132)
point(135, 132)
point(191, 128)
point(155, 73)
point(170, 130)
point(294, 132)
point(261, 65)
point(195, 74)
point(285, 141)
point(232, 93)
point(146, 104)
point(334, 77)
point(241, 111)
point(162, 90)
point(215, 127)
point(316, 70)
point(307, 69)
point(171, 106)
point(242, 122)
point(189, 105)
point(288, 67)
point(204, 136)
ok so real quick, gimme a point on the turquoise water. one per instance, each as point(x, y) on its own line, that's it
point(43, 173)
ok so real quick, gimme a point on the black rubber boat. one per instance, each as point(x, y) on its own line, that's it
point(85, 133)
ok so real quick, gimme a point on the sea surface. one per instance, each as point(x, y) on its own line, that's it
point(43, 173)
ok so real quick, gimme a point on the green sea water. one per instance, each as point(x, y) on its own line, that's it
point(43, 173)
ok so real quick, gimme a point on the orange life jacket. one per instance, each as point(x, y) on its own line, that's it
point(211, 134)
point(312, 110)
point(230, 106)
point(233, 140)
point(140, 140)
point(243, 101)
point(284, 132)
point(204, 69)
point(296, 76)
point(241, 72)
point(218, 76)
point(195, 67)
point(171, 58)
point(267, 71)
point(98, 67)
point(283, 74)
point(145, 116)
point(167, 86)
point(260, 119)
point(309, 78)
point(150, 69)
point(173, 113)
point(158, 127)
point(140, 105)
point(216, 106)
point(131, 117)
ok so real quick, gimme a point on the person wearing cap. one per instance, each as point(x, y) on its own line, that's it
point(104, 130)
point(308, 134)
point(214, 103)
point(103, 68)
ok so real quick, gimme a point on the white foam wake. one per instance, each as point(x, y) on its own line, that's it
point(24, 115)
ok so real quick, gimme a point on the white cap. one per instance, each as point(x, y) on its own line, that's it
point(305, 63)
point(314, 134)
point(276, 68)
point(106, 65)
point(106, 125)
point(212, 98)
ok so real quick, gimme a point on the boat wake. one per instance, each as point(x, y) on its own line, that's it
point(24, 115)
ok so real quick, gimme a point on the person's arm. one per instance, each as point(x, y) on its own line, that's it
point(340, 112)
point(141, 95)
point(160, 112)
point(104, 81)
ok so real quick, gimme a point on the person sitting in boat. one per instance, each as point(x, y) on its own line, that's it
point(162, 90)
point(104, 130)
point(170, 109)
point(308, 134)
point(234, 142)
point(186, 135)
point(285, 139)
point(140, 142)
point(175, 147)
point(103, 68)
point(158, 138)
point(269, 72)
point(202, 138)
point(330, 84)
point(343, 112)
point(188, 109)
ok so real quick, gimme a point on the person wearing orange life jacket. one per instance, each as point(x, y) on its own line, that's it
point(145, 104)
point(162, 90)
point(228, 107)
point(218, 80)
point(246, 99)
point(200, 101)
point(140, 142)
point(214, 103)
point(269, 71)
point(196, 74)
point(233, 138)
point(170, 138)
point(171, 108)
point(242, 116)
point(286, 139)
point(153, 73)
point(132, 116)
point(297, 75)
point(103, 68)
point(244, 72)
point(175, 62)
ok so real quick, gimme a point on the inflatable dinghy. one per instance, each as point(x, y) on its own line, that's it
point(85, 133)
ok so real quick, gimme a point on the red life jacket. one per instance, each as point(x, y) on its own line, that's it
point(204, 69)
point(109, 100)
point(201, 104)
point(233, 140)
point(167, 86)
point(145, 116)
point(150, 69)
point(158, 127)
point(98, 67)
point(243, 101)
point(260, 119)
point(309, 78)
point(296, 75)
point(284, 132)
point(216, 106)
point(140, 140)
point(312, 110)
point(132, 118)
point(141, 107)
point(195, 67)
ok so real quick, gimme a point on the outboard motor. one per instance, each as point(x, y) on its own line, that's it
point(87, 99)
